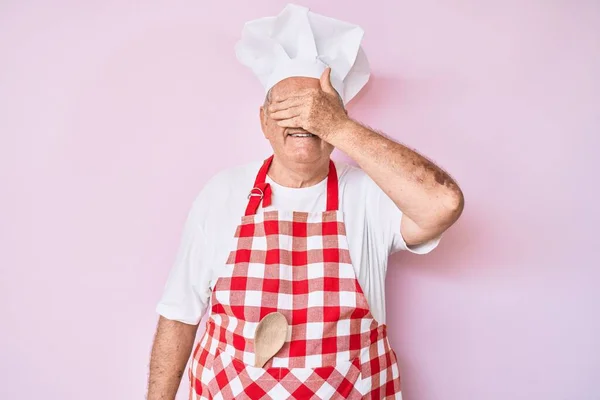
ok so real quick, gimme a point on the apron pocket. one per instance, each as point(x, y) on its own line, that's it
point(232, 378)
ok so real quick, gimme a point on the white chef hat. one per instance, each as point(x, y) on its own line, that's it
point(299, 42)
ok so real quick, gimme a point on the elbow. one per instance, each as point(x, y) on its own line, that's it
point(442, 213)
point(454, 205)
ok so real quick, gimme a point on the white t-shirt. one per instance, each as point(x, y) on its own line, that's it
point(372, 226)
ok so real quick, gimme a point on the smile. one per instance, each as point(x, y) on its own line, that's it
point(302, 135)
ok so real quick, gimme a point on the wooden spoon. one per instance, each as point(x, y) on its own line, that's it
point(269, 337)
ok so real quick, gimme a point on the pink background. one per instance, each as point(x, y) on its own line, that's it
point(113, 115)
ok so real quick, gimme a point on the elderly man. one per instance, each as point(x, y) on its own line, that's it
point(313, 241)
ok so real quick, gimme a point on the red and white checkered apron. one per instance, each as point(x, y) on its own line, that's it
point(298, 264)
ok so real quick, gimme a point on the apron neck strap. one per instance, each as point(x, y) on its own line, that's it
point(261, 192)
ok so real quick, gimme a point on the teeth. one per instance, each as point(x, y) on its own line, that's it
point(301, 134)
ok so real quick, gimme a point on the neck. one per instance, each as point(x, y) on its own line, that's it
point(298, 175)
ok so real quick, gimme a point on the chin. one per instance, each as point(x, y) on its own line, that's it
point(304, 156)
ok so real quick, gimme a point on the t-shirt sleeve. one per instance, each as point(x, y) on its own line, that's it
point(187, 291)
point(389, 217)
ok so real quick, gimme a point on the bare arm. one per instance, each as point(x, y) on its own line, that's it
point(170, 353)
point(429, 198)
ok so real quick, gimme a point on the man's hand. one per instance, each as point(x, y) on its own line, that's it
point(429, 198)
point(426, 194)
point(318, 111)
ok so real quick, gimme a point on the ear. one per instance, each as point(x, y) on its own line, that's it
point(263, 120)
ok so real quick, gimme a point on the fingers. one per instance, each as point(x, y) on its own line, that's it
point(277, 98)
point(285, 104)
point(290, 123)
point(286, 114)
point(325, 80)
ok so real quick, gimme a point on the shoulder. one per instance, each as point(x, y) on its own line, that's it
point(353, 187)
point(357, 188)
point(230, 180)
point(351, 176)
point(233, 175)
point(225, 189)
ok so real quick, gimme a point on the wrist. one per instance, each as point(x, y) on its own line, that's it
point(338, 130)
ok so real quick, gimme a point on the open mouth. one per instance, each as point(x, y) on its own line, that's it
point(300, 134)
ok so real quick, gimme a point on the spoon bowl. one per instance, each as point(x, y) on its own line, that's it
point(269, 337)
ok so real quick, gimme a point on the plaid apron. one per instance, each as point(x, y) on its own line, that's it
point(298, 264)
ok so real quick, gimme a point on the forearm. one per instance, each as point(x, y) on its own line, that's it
point(170, 352)
point(422, 190)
